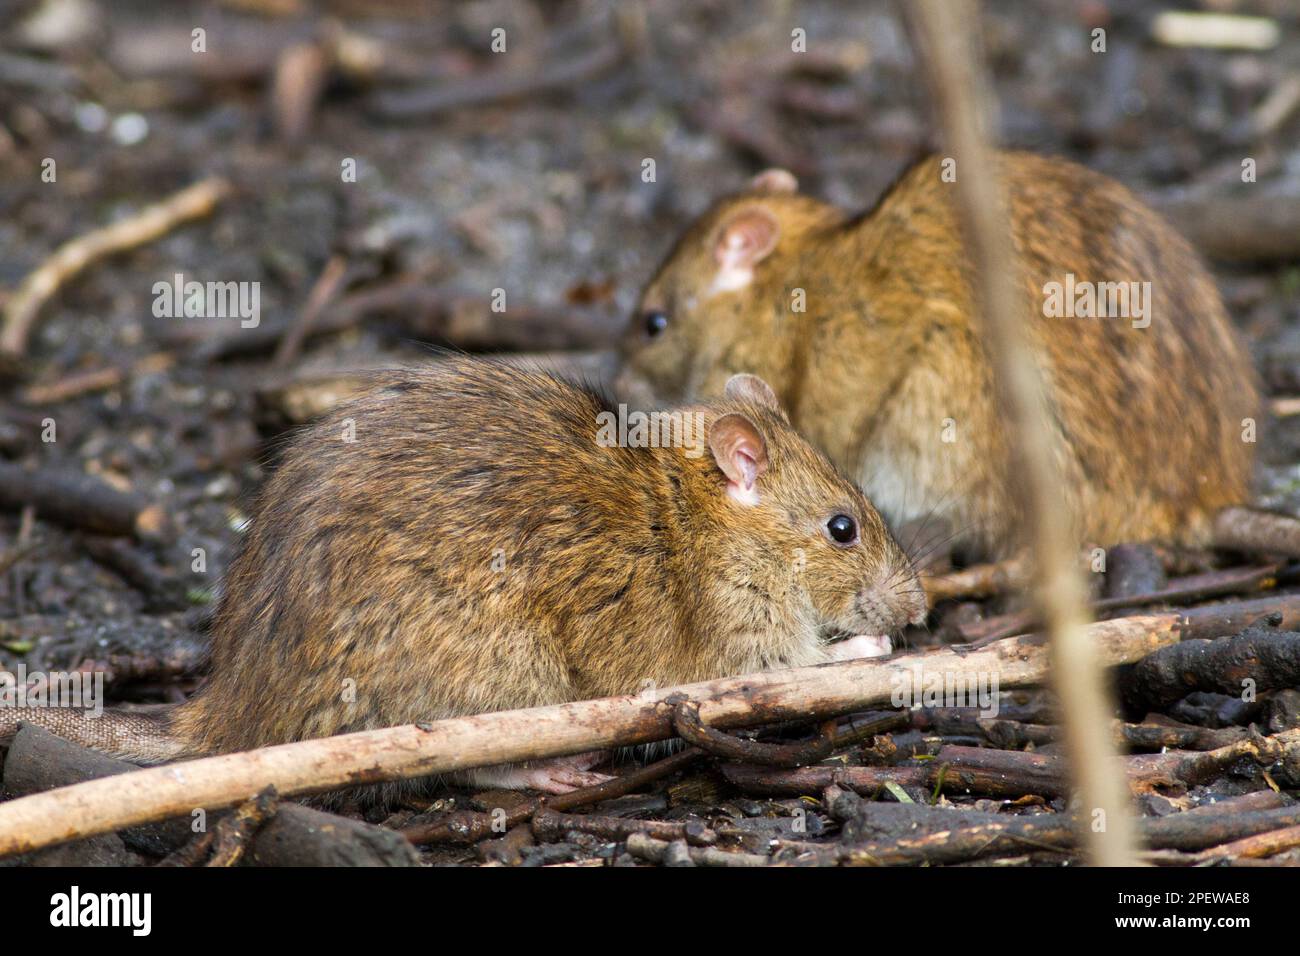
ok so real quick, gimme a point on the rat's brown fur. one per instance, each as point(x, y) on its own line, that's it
point(1148, 421)
point(475, 549)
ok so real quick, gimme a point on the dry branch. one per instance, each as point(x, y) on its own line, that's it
point(326, 287)
point(466, 826)
point(423, 310)
point(679, 853)
point(977, 581)
point(80, 501)
point(1257, 530)
point(960, 89)
point(1240, 229)
point(95, 380)
point(1269, 659)
point(551, 826)
point(1185, 590)
point(232, 832)
point(955, 769)
point(1256, 846)
point(1013, 773)
point(1182, 770)
point(39, 761)
point(1217, 824)
point(74, 256)
point(312, 766)
point(687, 723)
point(500, 86)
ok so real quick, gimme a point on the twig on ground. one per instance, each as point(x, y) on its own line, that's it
point(679, 853)
point(1240, 229)
point(71, 258)
point(332, 279)
point(469, 827)
point(96, 380)
point(501, 85)
point(977, 581)
point(418, 750)
point(1187, 590)
point(80, 501)
point(1260, 658)
point(1256, 846)
point(550, 825)
point(232, 832)
point(1255, 530)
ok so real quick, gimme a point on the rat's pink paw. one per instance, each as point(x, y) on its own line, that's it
point(558, 775)
point(562, 779)
point(565, 774)
point(864, 645)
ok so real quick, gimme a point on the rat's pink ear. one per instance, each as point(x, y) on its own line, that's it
point(751, 388)
point(741, 452)
point(774, 181)
point(746, 238)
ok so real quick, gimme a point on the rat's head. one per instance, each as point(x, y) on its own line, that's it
point(722, 302)
point(796, 557)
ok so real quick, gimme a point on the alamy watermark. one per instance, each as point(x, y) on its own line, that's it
point(917, 687)
point(208, 300)
point(1098, 300)
point(675, 429)
point(75, 689)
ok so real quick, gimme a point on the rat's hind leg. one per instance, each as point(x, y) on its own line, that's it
point(557, 775)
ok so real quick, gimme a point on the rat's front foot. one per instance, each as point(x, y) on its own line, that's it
point(864, 645)
point(566, 774)
point(558, 775)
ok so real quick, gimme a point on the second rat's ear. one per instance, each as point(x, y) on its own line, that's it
point(774, 181)
point(741, 452)
point(751, 388)
point(744, 239)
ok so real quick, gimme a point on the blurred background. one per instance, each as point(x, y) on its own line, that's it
point(479, 169)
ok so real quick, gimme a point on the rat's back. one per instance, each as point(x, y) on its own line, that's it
point(1152, 395)
point(398, 556)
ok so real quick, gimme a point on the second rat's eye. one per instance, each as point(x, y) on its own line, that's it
point(842, 529)
point(655, 322)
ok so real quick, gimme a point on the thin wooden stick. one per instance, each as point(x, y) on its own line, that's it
point(81, 501)
point(71, 258)
point(322, 293)
point(1254, 847)
point(415, 750)
point(470, 826)
point(72, 386)
point(977, 581)
point(1248, 529)
point(949, 29)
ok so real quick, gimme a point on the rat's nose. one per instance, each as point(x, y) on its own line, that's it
point(630, 387)
point(918, 606)
point(912, 597)
point(895, 602)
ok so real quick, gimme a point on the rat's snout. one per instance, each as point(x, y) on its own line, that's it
point(631, 387)
point(891, 603)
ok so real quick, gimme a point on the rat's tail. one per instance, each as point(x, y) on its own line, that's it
point(1243, 528)
point(137, 737)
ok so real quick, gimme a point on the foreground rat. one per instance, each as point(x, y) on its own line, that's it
point(476, 537)
point(866, 328)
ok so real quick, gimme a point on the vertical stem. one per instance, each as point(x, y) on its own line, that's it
point(949, 31)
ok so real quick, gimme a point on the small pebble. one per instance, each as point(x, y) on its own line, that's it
point(129, 129)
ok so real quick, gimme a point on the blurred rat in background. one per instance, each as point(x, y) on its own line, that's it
point(865, 326)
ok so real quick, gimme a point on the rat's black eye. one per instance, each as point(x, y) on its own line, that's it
point(843, 529)
point(655, 322)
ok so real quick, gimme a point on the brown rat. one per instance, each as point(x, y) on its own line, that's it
point(482, 544)
point(883, 369)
